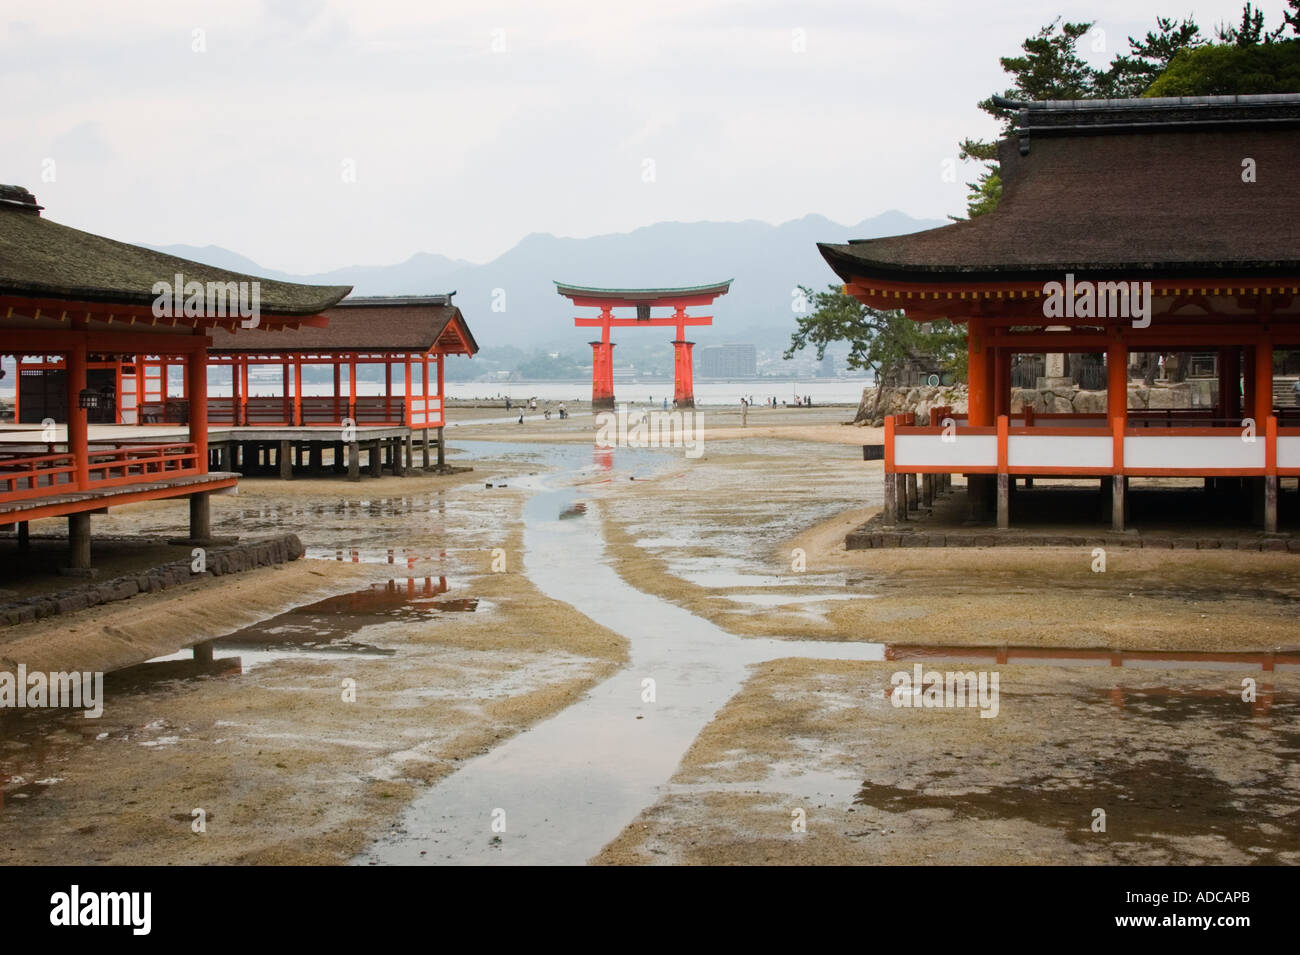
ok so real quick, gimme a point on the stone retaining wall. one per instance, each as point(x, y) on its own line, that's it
point(918, 400)
point(219, 560)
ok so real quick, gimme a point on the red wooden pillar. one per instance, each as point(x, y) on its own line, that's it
point(979, 407)
point(196, 378)
point(442, 401)
point(1263, 407)
point(243, 390)
point(297, 390)
point(602, 365)
point(78, 427)
point(1116, 378)
point(352, 388)
point(683, 374)
point(406, 394)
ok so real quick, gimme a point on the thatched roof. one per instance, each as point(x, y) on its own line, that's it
point(1137, 188)
point(400, 324)
point(42, 259)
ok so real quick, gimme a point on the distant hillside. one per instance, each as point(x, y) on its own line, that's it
point(766, 261)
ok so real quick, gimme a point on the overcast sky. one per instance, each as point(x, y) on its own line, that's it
point(311, 134)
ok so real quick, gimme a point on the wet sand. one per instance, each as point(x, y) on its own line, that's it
point(289, 772)
point(1184, 771)
point(284, 769)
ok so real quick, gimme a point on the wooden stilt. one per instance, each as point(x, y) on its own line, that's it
point(1118, 501)
point(79, 544)
point(200, 517)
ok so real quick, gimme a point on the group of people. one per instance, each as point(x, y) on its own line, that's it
point(546, 412)
point(800, 401)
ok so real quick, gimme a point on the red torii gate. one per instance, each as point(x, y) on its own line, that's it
point(642, 299)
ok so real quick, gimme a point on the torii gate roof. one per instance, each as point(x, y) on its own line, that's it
point(697, 294)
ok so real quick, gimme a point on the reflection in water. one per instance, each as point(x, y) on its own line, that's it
point(327, 625)
point(578, 509)
point(1070, 656)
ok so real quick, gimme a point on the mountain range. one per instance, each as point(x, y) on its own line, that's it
point(766, 262)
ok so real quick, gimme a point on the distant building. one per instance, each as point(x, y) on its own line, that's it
point(726, 361)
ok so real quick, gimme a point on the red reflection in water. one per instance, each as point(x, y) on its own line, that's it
point(379, 597)
point(1067, 655)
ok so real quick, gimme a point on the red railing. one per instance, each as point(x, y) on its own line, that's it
point(270, 410)
point(132, 463)
point(379, 409)
point(324, 409)
point(222, 410)
point(24, 476)
point(35, 475)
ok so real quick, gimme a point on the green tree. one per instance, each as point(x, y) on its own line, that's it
point(1132, 74)
point(1251, 30)
point(879, 341)
point(1223, 69)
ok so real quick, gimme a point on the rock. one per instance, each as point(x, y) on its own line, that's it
point(1160, 398)
point(1090, 402)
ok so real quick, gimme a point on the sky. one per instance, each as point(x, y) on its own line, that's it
point(314, 134)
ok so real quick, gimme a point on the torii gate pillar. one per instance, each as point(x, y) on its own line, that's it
point(602, 376)
point(683, 375)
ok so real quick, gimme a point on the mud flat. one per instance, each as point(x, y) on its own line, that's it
point(1184, 770)
point(721, 537)
point(417, 596)
point(446, 658)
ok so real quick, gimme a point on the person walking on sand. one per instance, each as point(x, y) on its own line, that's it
point(563, 412)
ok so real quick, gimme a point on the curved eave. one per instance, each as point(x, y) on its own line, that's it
point(323, 296)
point(852, 266)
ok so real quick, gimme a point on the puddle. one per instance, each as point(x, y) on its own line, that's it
point(781, 600)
